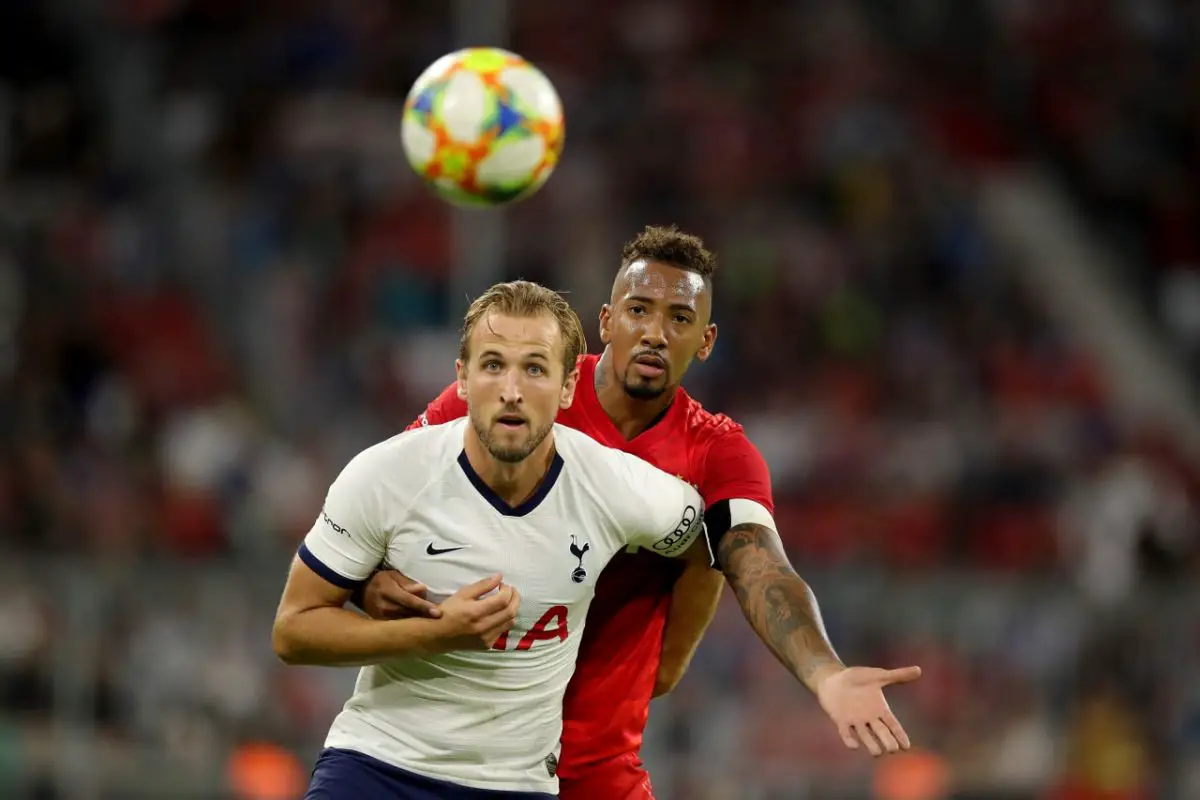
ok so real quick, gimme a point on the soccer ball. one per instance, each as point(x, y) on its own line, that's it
point(482, 127)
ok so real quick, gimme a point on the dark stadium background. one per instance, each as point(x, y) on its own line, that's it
point(959, 305)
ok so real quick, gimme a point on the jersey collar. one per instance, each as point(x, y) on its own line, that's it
point(498, 503)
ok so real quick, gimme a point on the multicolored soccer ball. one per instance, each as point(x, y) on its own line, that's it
point(483, 127)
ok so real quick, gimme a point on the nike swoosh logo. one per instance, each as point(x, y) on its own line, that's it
point(437, 551)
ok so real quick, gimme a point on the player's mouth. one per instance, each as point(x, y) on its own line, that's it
point(650, 366)
point(510, 421)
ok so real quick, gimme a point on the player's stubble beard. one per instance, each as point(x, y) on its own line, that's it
point(510, 454)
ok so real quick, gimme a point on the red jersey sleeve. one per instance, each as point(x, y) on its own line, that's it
point(735, 470)
point(445, 407)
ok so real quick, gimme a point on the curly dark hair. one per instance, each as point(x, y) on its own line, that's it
point(670, 246)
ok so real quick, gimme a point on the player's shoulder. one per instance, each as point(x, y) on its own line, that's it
point(576, 446)
point(607, 483)
point(586, 363)
point(410, 451)
point(594, 462)
point(700, 425)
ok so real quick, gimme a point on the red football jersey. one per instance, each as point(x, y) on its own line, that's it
point(608, 699)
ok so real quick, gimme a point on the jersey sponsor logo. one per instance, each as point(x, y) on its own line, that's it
point(437, 551)
point(541, 630)
point(336, 528)
point(692, 517)
point(579, 573)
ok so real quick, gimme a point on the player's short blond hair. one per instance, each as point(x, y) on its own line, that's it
point(527, 299)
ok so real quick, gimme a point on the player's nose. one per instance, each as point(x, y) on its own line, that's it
point(654, 332)
point(510, 389)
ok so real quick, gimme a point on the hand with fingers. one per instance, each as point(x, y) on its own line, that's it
point(474, 617)
point(392, 595)
point(853, 699)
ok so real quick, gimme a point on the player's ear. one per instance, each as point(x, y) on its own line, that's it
point(568, 390)
point(605, 323)
point(710, 339)
point(460, 378)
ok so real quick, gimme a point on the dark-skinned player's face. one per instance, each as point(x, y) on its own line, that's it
point(656, 322)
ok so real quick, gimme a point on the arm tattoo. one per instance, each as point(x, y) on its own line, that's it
point(777, 603)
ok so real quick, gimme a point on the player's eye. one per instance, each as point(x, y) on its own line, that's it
point(492, 366)
point(637, 310)
point(682, 319)
point(536, 370)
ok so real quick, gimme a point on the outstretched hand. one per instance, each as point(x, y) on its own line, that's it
point(853, 699)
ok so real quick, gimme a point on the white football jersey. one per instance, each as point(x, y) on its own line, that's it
point(488, 719)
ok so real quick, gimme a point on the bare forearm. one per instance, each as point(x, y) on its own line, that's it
point(693, 604)
point(777, 603)
point(339, 637)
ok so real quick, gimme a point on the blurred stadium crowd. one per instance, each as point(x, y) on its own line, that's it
point(218, 281)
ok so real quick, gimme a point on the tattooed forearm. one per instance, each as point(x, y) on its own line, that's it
point(777, 603)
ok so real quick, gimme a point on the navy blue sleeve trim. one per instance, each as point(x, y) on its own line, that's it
point(318, 566)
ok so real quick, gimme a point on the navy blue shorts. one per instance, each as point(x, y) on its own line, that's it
point(347, 775)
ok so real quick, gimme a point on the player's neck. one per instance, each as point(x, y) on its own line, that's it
point(512, 483)
point(629, 415)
